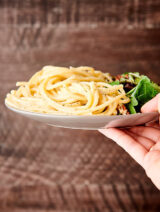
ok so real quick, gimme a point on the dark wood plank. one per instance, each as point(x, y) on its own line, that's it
point(34, 158)
point(44, 168)
point(107, 49)
point(120, 13)
point(35, 198)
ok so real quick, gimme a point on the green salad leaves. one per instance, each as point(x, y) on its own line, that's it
point(142, 89)
point(142, 93)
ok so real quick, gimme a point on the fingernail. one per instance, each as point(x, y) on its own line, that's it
point(144, 106)
point(151, 149)
point(155, 147)
point(104, 131)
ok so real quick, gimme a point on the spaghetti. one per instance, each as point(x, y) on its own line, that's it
point(72, 91)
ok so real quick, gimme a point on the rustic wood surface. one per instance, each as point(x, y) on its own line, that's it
point(43, 168)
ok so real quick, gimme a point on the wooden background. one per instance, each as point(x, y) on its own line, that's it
point(44, 168)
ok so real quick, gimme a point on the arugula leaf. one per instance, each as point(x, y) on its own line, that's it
point(132, 104)
point(115, 83)
point(131, 108)
point(131, 91)
point(142, 93)
point(156, 87)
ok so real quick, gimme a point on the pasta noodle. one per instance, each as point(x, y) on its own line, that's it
point(72, 91)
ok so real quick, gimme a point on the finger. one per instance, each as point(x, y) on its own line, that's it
point(147, 143)
point(151, 106)
point(156, 147)
point(148, 132)
point(153, 124)
point(152, 166)
point(136, 150)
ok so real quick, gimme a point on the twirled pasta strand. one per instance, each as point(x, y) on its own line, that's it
point(72, 91)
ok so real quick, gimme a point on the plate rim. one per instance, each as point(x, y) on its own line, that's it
point(72, 116)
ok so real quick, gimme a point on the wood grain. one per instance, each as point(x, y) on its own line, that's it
point(73, 198)
point(120, 13)
point(43, 168)
point(107, 49)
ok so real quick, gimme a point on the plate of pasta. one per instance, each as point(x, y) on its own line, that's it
point(83, 98)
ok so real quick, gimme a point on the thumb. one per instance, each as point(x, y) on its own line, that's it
point(152, 164)
point(152, 106)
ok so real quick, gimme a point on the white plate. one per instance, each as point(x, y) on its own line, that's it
point(89, 122)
